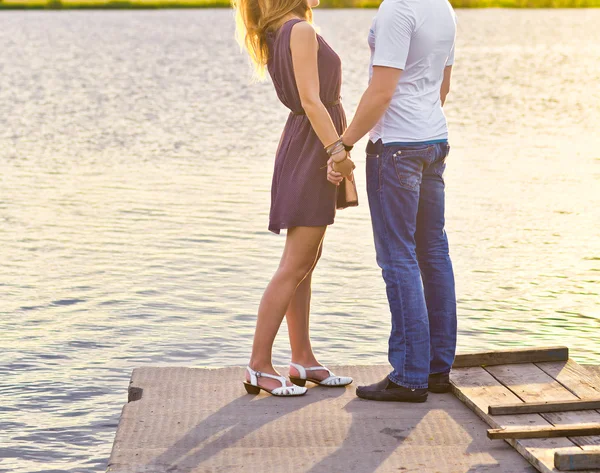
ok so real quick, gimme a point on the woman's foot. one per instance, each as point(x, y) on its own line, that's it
point(271, 381)
point(316, 373)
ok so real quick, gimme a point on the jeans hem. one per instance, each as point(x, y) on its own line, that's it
point(441, 372)
point(397, 381)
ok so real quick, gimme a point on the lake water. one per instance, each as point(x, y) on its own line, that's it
point(135, 167)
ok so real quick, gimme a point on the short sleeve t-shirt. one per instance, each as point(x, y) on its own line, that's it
point(418, 37)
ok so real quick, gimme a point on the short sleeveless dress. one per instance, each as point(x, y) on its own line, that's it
point(301, 195)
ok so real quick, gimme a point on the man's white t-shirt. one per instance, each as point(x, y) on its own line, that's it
point(418, 37)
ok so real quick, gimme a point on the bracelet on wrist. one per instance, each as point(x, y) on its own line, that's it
point(335, 147)
point(337, 150)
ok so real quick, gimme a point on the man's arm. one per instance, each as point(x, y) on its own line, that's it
point(445, 90)
point(394, 26)
point(371, 108)
point(373, 103)
point(377, 98)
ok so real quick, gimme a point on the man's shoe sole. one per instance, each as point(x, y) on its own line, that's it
point(390, 397)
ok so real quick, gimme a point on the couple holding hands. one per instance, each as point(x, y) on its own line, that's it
point(412, 52)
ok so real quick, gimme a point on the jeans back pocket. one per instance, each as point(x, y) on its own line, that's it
point(409, 168)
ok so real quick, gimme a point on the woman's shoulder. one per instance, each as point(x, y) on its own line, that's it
point(296, 27)
point(302, 32)
point(299, 24)
point(301, 28)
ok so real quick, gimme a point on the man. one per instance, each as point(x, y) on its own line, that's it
point(412, 52)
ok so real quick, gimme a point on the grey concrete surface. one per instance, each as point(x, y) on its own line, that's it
point(202, 421)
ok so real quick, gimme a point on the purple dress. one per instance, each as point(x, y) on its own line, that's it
point(301, 195)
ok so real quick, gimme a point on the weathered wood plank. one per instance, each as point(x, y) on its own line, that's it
point(582, 381)
point(544, 432)
point(577, 460)
point(543, 407)
point(593, 369)
point(578, 379)
point(532, 384)
point(478, 389)
point(531, 355)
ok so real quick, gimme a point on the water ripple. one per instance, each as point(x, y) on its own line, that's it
point(135, 169)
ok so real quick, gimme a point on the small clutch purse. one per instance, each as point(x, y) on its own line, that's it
point(347, 194)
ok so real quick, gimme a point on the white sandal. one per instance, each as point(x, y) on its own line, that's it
point(332, 381)
point(284, 391)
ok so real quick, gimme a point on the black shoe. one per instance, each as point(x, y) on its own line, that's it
point(439, 383)
point(389, 391)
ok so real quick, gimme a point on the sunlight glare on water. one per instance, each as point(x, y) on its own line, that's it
point(135, 163)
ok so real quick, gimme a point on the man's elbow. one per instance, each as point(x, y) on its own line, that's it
point(384, 97)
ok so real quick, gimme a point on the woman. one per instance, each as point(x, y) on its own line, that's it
point(306, 73)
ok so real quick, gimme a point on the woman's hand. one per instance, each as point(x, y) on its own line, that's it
point(334, 177)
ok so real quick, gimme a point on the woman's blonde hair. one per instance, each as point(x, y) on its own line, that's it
point(255, 19)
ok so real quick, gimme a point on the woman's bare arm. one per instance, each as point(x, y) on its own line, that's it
point(305, 48)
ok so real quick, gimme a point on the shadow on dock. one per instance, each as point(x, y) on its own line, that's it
point(194, 420)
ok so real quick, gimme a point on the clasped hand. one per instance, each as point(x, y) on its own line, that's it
point(340, 166)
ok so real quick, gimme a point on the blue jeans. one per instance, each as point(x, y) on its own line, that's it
point(406, 198)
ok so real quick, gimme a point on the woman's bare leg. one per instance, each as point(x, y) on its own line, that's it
point(297, 316)
point(299, 256)
point(298, 321)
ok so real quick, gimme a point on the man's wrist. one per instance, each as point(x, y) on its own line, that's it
point(348, 147)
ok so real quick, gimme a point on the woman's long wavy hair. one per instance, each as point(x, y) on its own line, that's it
point(255, 19)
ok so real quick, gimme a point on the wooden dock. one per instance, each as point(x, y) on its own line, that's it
point(185, 420)
point(542, 403)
